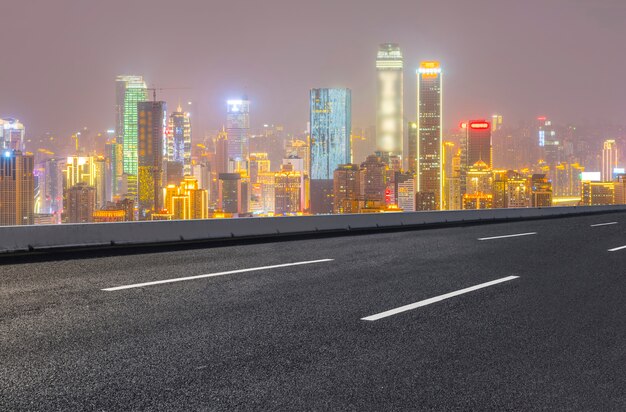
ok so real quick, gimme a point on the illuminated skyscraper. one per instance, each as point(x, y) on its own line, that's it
point(390, 111)
point(130, 90)
point(11, 134)
point(152, 121)
point(17, 188)
point(478, 143)
point(609, 160)
point(331, 124)
point(179, 140)
point(429, 107)
point(238, 129)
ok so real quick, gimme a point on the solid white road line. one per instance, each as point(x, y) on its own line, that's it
point(617, 248)
point(604, 224)
point(435, 299)
point(506, 236)
point(210, 275)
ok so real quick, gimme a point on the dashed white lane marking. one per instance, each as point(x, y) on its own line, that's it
point(210, 275)
point(617, 248)
point(435, 299)
point(604, 224)
point(506, 236)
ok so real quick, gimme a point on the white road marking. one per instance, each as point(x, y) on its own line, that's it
point(435, 299)
point(617, 248)
point(604, 224)
point(506, 236)
point(210, 275)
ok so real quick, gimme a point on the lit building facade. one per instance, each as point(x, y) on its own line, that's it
point(179, 139)
point(152, 122)
point(541, 191)
point(130, 90)
point(12, 135)
point(598, 193)
point(330, 123)
point(80, 204)
point(288, 191)
point(347, 189)
point(237, 130)
point(186, 201)
point(429, 124)
point(17, 188)
point(390, 111)
point(609, 160)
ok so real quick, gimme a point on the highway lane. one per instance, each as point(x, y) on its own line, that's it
point(292, 337)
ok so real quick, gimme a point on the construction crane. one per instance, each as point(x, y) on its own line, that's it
point(154, 90)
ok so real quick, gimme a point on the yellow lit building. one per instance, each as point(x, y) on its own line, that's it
point(186, 201)
point(477, 201)
point(598, 193)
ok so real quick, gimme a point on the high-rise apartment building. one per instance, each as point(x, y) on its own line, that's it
point(80, 203)
point(429, 124)
point(130, 90)
point(375, 179)
point(330, 123)
point(17, 188)
point(152, 123)
point(348, 189)
point(390, 110)
point(609, 160)
point(288, 191)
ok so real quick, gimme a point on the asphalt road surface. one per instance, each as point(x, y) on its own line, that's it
point(511, 316)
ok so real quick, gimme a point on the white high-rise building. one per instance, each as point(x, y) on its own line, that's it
point(238, 129)
point(390, 110)
point(609, 160)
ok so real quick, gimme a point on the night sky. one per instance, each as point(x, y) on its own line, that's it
point(561, 58)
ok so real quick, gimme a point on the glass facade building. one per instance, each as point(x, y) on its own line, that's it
point(179, 141)
point(330, 117)
point(390, 110)
point(130, 90)
point(238, 129)
point(429, 149)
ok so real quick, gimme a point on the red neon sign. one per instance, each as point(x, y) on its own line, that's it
point(480, 125)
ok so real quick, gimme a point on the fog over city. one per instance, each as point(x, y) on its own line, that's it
point(559, 58)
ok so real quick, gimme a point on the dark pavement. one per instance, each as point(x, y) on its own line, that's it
point(293, 338)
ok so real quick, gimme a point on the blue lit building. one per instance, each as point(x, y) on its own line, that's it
point(330, 131)
point(238, 128)
point(330, 120)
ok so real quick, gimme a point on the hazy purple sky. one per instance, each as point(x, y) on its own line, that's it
point(562, 58)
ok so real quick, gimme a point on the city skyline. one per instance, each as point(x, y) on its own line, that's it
point(482, 79)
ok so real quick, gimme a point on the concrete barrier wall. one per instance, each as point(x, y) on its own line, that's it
point(25, 238)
